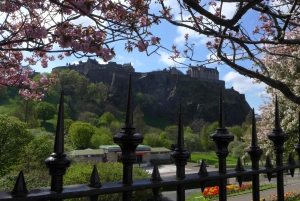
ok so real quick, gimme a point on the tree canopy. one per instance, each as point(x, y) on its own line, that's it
point(80, 134)
point(13, 139)
point(45, 111)
point(32, 31)
point(285, 69)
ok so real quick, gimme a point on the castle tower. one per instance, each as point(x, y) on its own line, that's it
point(202, 72)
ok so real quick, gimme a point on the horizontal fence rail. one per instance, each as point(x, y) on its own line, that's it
point(128, 139)
point(83, 190)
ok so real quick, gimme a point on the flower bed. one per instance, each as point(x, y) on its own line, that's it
point(289, 196)
point(213, 192)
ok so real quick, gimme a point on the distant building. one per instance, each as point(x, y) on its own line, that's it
point(113, 153)
point(144, 153)
point(92, 65)
point(160, 153)
point(257, 117)
point(88, 155)
point(203, 73)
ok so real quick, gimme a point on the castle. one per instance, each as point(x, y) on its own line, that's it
point(203, 73)
point(91, 65)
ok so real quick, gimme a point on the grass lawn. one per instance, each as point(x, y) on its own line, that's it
point(211, 158)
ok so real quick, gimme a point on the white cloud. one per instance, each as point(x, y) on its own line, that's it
point(228, 9)
point(212, 57)
point(119, 57)
point(136, 63)
point(165, 58)
point(194, 37)
point(243, 84)
point(122, 59)
point(100, 61)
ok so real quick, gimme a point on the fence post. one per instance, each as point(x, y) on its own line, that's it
point(128, 139)
point(222, 138)
point(278, 138)
point(58, 160)
point(297, 147)
point(181, 155)
point(255, 153)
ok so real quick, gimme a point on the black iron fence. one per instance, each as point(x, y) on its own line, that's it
point(128, 139)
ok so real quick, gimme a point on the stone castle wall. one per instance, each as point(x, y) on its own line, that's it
point(94, 71)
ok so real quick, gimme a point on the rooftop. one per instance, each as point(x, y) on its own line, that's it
point(87, 152)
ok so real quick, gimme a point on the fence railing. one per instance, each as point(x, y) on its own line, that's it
point(128, 139)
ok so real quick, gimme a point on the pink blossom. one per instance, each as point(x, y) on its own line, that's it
point(153, 40)
point(44, 80)
point(199, 18)
point(51, 58)
point(213, 3)
point(109, 14)
point(44, 62)
point(186, 36)
point(142, 46)
point(33, 85)
point(208, 43)
point(143, 21)
point(60, 56)
point(67, 54)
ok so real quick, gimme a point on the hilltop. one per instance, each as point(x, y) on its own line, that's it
point(160, 92)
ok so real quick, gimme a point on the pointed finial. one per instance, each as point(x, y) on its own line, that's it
point(129, 115)
point(268, 164)
point(254, 134)
point(277, 120)
point(202, 186)
point(221, 110)
point(155, 174)
point(94, 180)
point(239, 166)
point(59, 137)
point(20, 189)
point(291, 161)
point(203, 171)
point(180, 142)
point(240, 181)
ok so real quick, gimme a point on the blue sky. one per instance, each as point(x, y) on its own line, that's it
point(174, 35)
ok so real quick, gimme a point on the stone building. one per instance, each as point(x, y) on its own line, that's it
point(203, 73)
point(88, 155)
point(144, 153)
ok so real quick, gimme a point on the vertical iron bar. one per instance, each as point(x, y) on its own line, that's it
point(297, 147)
point(255, 153)
point(278, 138)
point(155, 177)
point(94, 182)
point(181, 155)
point(128, 139)
point(222, 138)
point(58, 160)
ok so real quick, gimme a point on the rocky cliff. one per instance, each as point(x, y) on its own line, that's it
point(160, 93)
